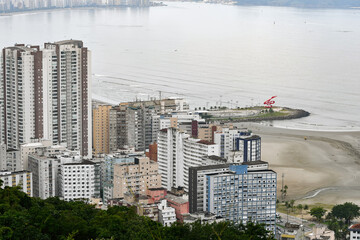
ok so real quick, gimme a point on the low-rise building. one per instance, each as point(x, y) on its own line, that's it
point(322, 233)
point(180, 204)
point(145, 205)
point(167, 214)
point(354, 231)
point(203, 217)
point(22, 179)
point(157, 194)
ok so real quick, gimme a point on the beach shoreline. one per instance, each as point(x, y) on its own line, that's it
point(318, 166)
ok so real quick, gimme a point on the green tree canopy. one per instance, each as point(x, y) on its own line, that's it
point(25, 218)
point(346, 211)
point(317, 212)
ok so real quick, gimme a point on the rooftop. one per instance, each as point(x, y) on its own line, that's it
point(6, 173)
point(216, 158)
point(84, 162)
point(71, 41)
point(355, 227)
point(254, 163)
point(176, 199)
point(205, 142)
point(253, 137)
point(37, 144)
point(23, 48)
point(156, 189)
point(211, 167)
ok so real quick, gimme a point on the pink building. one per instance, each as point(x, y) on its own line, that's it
point(181, 205)
point(156, 194)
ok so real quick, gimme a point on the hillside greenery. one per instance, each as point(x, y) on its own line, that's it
point(22, 217)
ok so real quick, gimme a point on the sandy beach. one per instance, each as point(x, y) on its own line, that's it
point(324, 168)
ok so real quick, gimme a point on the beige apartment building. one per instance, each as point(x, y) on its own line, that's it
point(101, 116)
point(207, 133)
point(136, 178)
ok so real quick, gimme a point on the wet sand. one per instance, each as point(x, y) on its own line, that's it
point(324, 168)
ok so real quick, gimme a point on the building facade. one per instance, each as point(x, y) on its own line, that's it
point(177, 152)
point(22, 94)
point(241, 195)
point(46, 95)
point(167, 214)
point(69, 108)
point(226, 139)
point(101, 129)
point(22, 179)
point(77, 181)
point(170, 157)
point(108, 171)
point(354, 231)
point(44, 170)
point(249, 148)
point(136, 124)
point(136, 178)
point(197, 185)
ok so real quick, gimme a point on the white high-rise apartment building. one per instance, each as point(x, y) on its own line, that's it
point(68, 94)
point(226, 139)
point(31, 148)
point(170, 157)
point(177, 152)
point(2, 115)
point(44, 170)
point(193, 155)
point(46, 95)
point(45, 164)
point(77, 180)
point(22, 94)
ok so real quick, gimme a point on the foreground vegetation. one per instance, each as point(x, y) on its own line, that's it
point(337, 218)
point(22, 217)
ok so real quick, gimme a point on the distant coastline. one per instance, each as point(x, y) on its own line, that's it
point(334, 4)
point(325, 4)
point(301, 4)
point(22, 11)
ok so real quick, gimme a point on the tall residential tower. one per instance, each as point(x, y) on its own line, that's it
point(46, 95)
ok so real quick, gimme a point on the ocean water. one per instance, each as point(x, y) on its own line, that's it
point(215, 54)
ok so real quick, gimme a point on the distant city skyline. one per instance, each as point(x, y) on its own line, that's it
point(25, 5)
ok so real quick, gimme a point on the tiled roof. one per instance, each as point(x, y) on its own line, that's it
point(355, 227)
